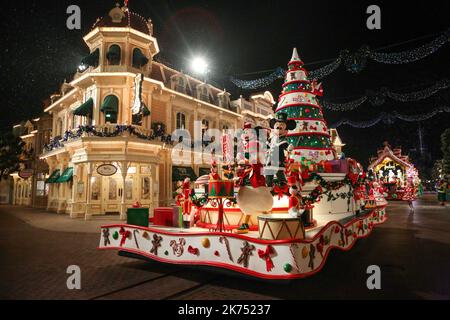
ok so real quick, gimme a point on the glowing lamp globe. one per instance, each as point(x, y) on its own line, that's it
point(199, 65)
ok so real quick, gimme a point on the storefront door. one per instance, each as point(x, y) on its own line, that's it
point(112, 192)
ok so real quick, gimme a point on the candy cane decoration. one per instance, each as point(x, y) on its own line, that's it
point(291, 248)
point(227, 244)
point(135, 232)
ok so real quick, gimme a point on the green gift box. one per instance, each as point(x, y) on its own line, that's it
point(138, 217)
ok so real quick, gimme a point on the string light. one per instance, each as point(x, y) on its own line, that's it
point(353, 62)
point(377, 98)
point(389, 118)
point(411, 55)
point(259, 83)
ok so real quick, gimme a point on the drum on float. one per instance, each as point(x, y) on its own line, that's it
point(280, 227)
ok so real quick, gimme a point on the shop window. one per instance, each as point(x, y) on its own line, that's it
point(145, 187)
point(145, 170)
point(129, 189)
point(40, 188)
point(112, 189)
point(96, 186)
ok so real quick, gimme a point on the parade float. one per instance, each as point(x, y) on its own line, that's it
point(275, 211)
point(393, 171)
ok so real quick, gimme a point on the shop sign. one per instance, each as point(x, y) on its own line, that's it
point(25, 174)
point(107, 170)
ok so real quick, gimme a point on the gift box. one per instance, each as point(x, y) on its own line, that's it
point(165, 217)
point(138, 217)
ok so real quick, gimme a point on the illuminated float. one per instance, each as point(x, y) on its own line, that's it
point(275, 211)
point(393, 171)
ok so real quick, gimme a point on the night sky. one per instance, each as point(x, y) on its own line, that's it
point(238, 37)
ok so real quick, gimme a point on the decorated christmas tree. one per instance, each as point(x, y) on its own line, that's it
point(310, 138)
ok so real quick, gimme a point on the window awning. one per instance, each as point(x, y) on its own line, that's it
point(113, 52)
point(85, 109)
point(92, 59)
point(66, 176)
point(110, 104)
point(145, 111)
point(181, 173)
point(139, 59)
point(53, 177)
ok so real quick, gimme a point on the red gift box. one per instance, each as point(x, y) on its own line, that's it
point(164, 216)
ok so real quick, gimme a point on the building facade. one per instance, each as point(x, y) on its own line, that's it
point(112, 125)
point(29, 187)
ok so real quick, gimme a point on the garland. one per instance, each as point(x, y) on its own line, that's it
point(390, 118)
point(378, 98)
point(326, 188)
point(353, 62)
point(279, 73)
point(119, 130)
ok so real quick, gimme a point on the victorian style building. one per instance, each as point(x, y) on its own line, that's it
point(112, 125)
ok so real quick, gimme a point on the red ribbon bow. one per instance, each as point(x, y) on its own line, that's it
point(265, 254)
point(125, 234)
point(281, 190)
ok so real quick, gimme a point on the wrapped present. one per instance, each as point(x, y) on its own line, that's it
point(138, 217)
point(165, 217)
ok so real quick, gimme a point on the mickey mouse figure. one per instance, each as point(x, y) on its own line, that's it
point(278, 147)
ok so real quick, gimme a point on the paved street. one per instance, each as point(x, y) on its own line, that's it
point(413, 252)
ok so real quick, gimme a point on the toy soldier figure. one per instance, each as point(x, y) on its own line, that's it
point(278, 147)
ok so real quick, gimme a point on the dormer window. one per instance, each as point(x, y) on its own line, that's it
point(224, 100)
point(114, 55)
point(179, 83)
point(203, 92)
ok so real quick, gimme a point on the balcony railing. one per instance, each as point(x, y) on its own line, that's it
point(105, 131)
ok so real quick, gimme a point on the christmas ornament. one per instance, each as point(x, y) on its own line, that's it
point(287, 268)
point(206, 243)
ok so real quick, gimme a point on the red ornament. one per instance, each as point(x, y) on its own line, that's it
point(193, 251)
point(216, 253)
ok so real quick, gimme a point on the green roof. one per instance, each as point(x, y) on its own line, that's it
point(85, 108)
point(53, 177)
point(66, 176)
point(181, 173)
point(110, 104)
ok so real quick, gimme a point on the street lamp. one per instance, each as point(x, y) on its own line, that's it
point(199, 65)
